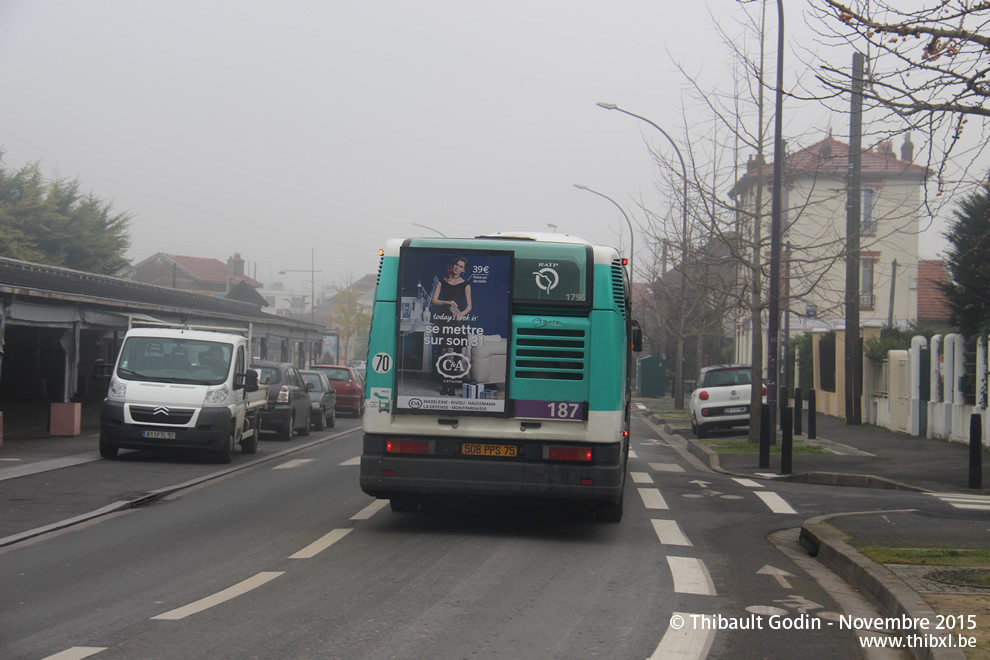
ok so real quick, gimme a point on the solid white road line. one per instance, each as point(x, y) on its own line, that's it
point(775, 502)
point(652, 499)
point(666, 467)
point(691, 576)
point(352, 461)
point(748, 483)
point(370, 510)
point(77, 653)
point(318, 546)
point(669, 532)
point(219, 597)
point(689, 641)
point(641, 477)
point(288, 465)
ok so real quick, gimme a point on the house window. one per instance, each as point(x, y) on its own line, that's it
point(866, 299)
point(868, 222)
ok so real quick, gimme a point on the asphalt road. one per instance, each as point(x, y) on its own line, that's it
point(289, 559)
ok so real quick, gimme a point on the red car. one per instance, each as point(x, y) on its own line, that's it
point(349, 384)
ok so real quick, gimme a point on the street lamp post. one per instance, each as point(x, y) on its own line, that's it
point(679, 393)
point(431, 229)
point(312, 282)
point(632, 242)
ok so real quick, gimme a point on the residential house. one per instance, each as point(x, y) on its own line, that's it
point(198, 274)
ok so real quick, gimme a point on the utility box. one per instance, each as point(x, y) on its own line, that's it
point(652, 376)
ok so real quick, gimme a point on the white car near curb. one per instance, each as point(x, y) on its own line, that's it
point(721, 398)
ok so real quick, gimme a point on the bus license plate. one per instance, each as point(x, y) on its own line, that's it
point(729, 411)
point(502, 451)
point(159, 435)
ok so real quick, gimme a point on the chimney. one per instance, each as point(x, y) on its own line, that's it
point(907, 149)
point(235, 266)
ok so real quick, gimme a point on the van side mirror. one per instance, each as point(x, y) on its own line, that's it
point(636, 339)
point(247, 381)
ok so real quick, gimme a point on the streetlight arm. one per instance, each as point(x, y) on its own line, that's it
point(628, 223)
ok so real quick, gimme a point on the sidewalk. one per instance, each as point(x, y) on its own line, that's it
point(874, 457)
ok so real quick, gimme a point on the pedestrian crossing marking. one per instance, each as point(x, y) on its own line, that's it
point(775, 502)
point(965, 501)
point(666, 467)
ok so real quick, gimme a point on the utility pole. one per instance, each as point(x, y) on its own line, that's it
point(893, 285)
point(854, 352)
point(773, 299)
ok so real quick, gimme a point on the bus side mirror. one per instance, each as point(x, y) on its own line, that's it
point(247, 381)
point(637, 337)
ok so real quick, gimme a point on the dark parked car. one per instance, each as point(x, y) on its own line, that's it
point(322, 398)
point(349, 384)
point(288, 399)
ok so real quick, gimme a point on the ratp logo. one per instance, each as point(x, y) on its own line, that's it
point(547, 279)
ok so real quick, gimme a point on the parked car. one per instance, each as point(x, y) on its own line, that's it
point(721, 398)
point(288, 399)
point(322, 398)
point(349, 383)
point(361, 366)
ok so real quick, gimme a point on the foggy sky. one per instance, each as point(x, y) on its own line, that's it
point(271, 128)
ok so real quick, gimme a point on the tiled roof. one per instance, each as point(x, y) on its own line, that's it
point(208, 269)
point(932, 304)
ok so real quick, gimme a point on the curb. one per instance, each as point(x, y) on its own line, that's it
point(156, 495)
point(891, 594)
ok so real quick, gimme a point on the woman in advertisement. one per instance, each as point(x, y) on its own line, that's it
point(451, 304)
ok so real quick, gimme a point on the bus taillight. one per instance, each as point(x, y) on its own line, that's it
point(407, 447)
point(581, 454)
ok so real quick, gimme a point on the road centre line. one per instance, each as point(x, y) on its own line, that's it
point(77, 653)
point(370, 510)
point(749, 483)
point(684, 642)
point(229, 593)
point(666, 467)
point(352, 461)
point(669, 532)
point(652, 498)
point(775, 502)
point(641, 477)
point(294, 463)
point(321, 544)
point(691, 576)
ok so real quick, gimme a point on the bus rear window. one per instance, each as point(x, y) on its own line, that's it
point(552, 280)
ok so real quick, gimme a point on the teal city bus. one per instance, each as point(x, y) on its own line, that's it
point(499, 366)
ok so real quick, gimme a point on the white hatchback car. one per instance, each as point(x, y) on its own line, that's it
point(721, 398)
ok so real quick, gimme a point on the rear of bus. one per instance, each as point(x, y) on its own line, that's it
point(524, 396)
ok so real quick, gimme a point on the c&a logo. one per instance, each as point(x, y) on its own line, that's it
point(453, 365)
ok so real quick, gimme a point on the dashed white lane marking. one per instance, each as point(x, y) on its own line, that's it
point(775, 502)
point(633, 454)
point(641, 406)
point(689, 642)
point(229, 593)
point(666, 467)
point(748, 483)
point(77, 653)
point(963, 501)
point(691, 576)
point(641, 477)
point(321, 544)
point(652, 498)
point(370, 510)
point(352, 461)
point(669, 532)
point(288, 465)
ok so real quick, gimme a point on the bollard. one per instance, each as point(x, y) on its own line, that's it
point(764, 437)
point(798, 409)
point(812, 421)
point(976, 451)
point(786, 444)
point(782, 401)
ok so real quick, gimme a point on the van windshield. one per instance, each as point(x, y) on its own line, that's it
point(179, 360)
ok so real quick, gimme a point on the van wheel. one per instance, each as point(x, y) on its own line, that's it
point(107, 450)
point(250, 445)
point(226, 454)
point(321, 420)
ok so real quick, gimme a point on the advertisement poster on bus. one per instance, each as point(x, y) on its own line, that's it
point(452, 349)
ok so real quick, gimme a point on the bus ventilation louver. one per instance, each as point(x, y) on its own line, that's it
point(618, 286)
point(550, 354)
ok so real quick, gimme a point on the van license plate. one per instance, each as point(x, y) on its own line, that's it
point(730, 411)
point(475, 449)
point(158, 435)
